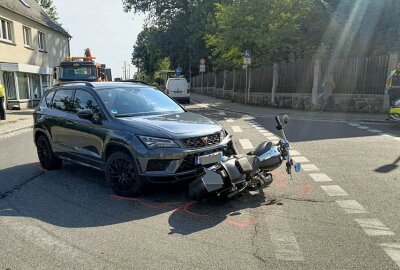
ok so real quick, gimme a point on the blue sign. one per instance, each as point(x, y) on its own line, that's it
point(178, 71)
point(247, 53)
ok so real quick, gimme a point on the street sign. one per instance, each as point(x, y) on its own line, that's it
point(178, 71)
point(247, 61)
point(247, 53)
point(202, 61)
point(245, 66)
point(202, 68)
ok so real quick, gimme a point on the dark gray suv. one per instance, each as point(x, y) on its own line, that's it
point(131, 131)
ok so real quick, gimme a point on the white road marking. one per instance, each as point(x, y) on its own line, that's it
point(268, 134)
point(363, 127)
point(300, 159)
point(309, 168)
point(334, 191)
point(246, 144)
point(284, 242)
point(273, 138)
point(354, 124)
point(375, 131)
point(259, 127)
point(374, 227)
point(222, 113)
point(230, 120)
point(393, 250)
point(352, 207)
point(294, 153)
point(397, 138)
point(387, 136)
point(236, 129)
point(320, 177)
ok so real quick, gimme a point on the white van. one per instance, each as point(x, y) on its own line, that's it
point(178, 89)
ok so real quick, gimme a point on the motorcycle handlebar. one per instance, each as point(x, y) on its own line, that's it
point(278, 121)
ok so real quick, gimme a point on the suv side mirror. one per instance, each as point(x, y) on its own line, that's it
point(85, 114)
point(286, 119)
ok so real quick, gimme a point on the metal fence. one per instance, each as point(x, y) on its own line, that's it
point(364, 75)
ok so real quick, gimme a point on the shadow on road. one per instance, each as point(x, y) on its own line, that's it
point(78, 197)
point(389, 168)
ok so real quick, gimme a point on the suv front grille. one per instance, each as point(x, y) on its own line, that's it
point(194, 143)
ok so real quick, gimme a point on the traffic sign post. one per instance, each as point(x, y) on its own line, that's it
point(202, 68)
point(246, 63)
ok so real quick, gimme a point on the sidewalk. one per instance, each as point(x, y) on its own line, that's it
point(16, 120)
point(223, 104)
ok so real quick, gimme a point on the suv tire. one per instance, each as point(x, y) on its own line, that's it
point(121, 173)
point(46, 156)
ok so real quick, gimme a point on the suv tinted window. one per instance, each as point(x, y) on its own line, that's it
point(63, 100)
point(85, 100)
point(49, 98)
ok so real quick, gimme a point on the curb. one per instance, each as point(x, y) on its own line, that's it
point(301, 118)
point(15, 130)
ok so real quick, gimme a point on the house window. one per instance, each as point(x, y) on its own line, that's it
point(6, 30)
point(27, 36)
point(23, 86)
point(36, 88)
point(42, 41)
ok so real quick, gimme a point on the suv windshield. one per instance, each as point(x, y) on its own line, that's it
point(80, 73)
point(134, 101)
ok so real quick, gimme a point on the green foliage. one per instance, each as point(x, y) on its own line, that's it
point(49, 8)
point(274, 30)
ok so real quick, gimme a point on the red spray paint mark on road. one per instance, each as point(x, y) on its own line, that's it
point(242, 224)
point(148, 204)
point(305, 190)
point(179, 206)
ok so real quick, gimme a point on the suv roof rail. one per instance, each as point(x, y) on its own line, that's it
point(135, 81)
point(74, 82)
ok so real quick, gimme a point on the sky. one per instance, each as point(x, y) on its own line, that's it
point(102, 26)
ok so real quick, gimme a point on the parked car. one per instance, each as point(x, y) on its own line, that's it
point(133, 132)
point(178, 89)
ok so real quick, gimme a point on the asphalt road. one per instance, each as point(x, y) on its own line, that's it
point(69, 219)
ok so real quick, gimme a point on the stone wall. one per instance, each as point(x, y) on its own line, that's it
point(341, 102)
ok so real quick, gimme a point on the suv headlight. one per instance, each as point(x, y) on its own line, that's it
point(153, 143)
point(223, 135)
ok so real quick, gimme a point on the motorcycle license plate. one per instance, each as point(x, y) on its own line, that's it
point(208, 159)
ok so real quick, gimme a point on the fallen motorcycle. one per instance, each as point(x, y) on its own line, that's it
point(235, 174)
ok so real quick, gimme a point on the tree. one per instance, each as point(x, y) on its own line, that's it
point(49, 8)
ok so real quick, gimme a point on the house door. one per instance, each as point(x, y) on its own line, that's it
point(9, 83)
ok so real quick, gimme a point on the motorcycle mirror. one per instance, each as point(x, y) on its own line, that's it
point(297, 167)
point(286, 119)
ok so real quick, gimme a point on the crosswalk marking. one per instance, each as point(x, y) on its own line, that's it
point(363, 127)
point(334, 191)
point(374, 227)
point(267, 134)
point(230, 120)
point(273, 138)
point(387, 135)
point(320, 177)
point(393, 250)
point(236, 129)
point(246, 144)
point(375, 131)
point(222, 113)
point(294, 153)
point(309, 168)
point(300, 159)
point(284, 242)
point(352, 207)
point(354, 125)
